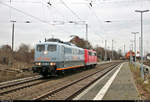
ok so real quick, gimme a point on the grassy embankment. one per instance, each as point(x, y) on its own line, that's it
point(142, 86)
point(9, 73)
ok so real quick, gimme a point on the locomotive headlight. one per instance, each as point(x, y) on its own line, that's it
point(45, 52)
point(52, 64)
point(38, 64)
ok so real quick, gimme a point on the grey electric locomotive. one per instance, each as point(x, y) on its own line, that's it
point(53, 57)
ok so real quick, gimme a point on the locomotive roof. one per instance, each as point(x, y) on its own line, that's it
point(57, 43)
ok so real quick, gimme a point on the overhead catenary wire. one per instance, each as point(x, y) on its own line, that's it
point(27, 14)
point(90, 7)
point(48, 6)
point(10, 11)
point(95, 15)
point(74, 13)
point(95, 2)
point(31, 15)
point(37, 17)
point(70, 9)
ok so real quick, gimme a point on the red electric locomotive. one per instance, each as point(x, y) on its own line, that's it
point(90, 57)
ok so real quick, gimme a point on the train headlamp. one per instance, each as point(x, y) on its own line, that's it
point(45, 52)
point(52, 64)
point(38, 64)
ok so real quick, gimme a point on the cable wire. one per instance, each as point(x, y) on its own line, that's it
point(70, 9)
point(27, 14)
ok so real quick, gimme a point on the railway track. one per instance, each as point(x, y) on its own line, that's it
point(19, 81)
point(70, 90)
point(36, 89)
point(13, 88)
point(10, 86)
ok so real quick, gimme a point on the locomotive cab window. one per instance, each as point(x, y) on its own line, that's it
point(90, 53)
point(68, 50)
point(51, 48)
point(40, 48)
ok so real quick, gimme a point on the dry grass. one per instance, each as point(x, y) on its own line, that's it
point(143, 88)
point(21, 65)
point(15, 72)
point(147, 62)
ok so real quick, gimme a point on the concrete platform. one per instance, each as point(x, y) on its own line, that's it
point(116, 85)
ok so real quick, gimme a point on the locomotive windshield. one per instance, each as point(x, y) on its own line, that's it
point(40, 48)
point(51, 48)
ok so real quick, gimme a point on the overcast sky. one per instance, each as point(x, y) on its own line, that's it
point(42, 17)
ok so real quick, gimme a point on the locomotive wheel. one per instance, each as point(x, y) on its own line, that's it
point(45, 75)
point(60, 73)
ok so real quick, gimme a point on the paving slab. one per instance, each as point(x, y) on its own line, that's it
point(123, 87)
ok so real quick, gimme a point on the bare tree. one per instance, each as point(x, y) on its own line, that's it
point(24, 54)
point(5, 54)
point(81, 42)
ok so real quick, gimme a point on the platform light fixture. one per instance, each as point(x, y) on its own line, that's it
point(142, 11)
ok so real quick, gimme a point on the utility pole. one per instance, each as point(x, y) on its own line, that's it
point(102, 52)
point(112, 49)
point(131, 51)
point(131, 57)
point(86, 26)
point(142, 11)
point(124, 50)
point(105, 50)
point(86, 32)
point(13, 34)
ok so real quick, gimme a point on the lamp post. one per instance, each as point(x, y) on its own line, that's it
point(106, 43)
point(141, 11)
point(135, 44)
